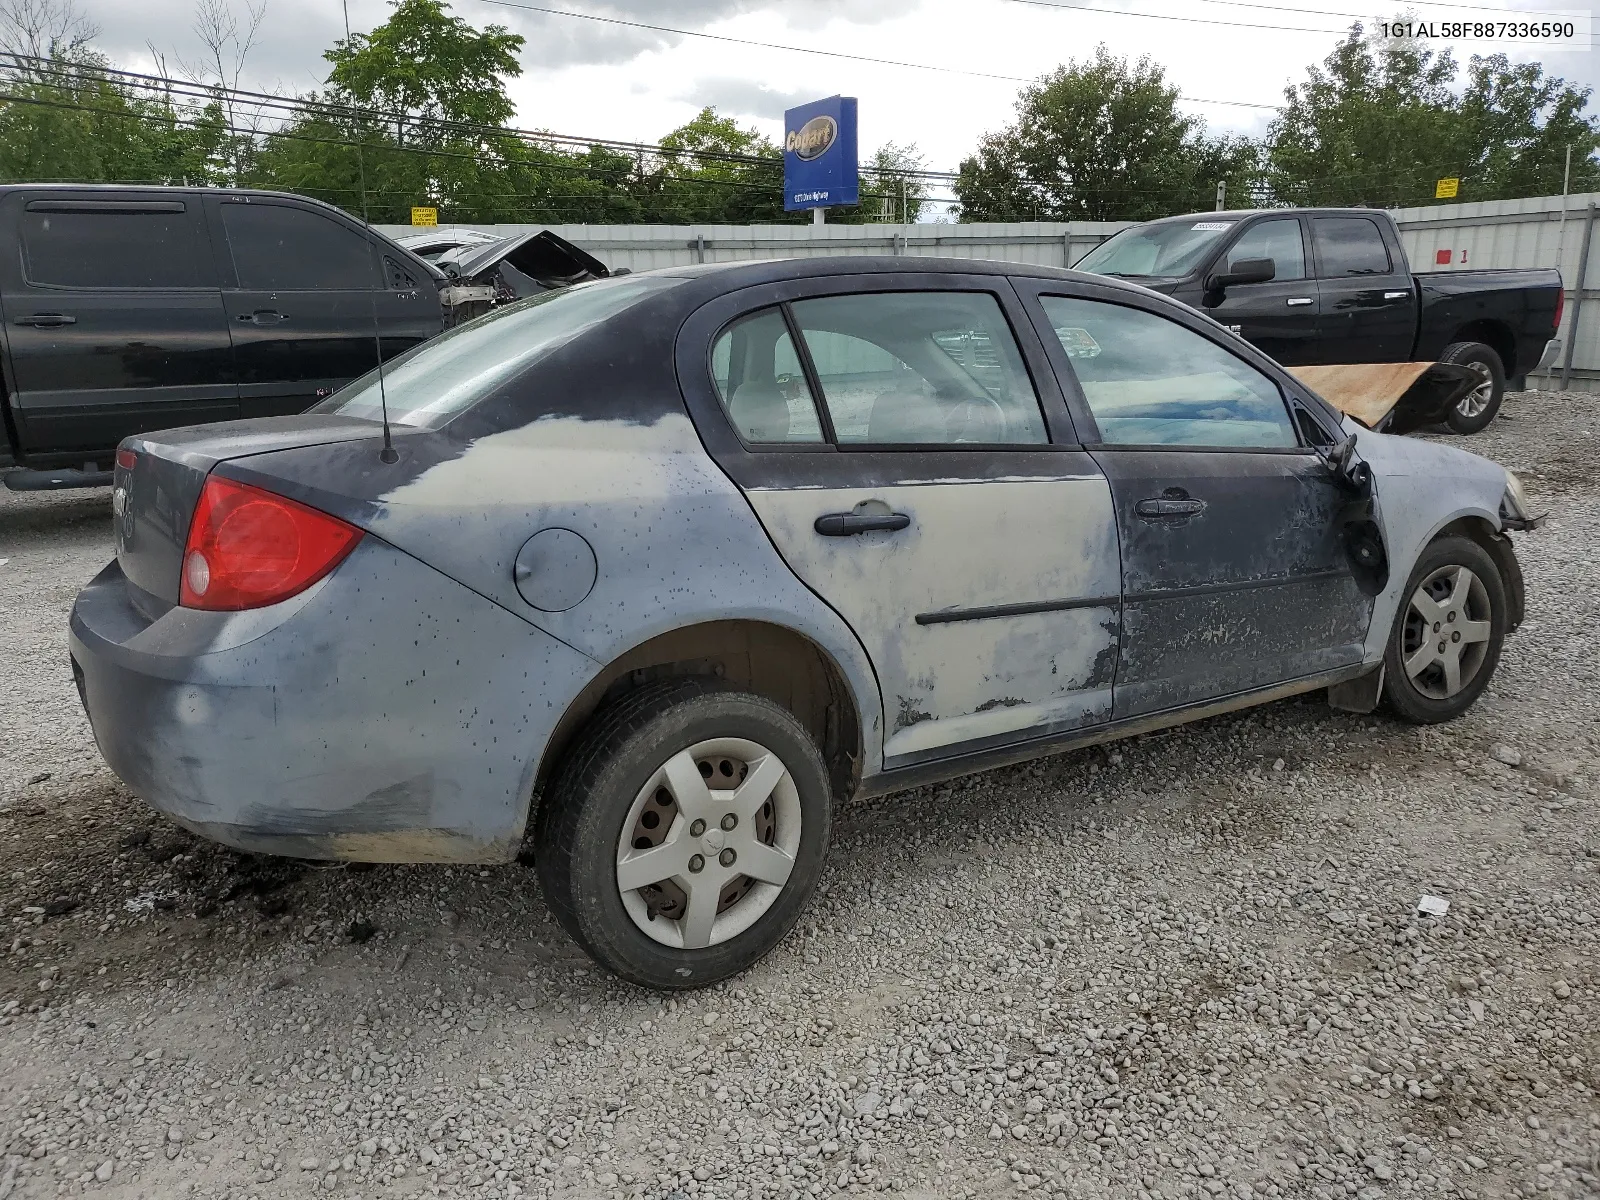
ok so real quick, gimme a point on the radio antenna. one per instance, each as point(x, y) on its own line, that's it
point(388, 454)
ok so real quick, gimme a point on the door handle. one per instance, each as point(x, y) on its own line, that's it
point(46, 320)
point(1297, 301)
point(1158, 508)
point(846, 524)
point(263, 316)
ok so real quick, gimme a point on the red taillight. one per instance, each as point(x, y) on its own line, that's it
point(1561, 307)
point(248, 548)
point(127, 459)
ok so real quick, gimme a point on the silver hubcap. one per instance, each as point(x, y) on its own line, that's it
point(709, 843)
point(1475, 401)
point(1446, 634)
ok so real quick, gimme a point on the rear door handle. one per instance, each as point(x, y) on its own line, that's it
point(1297, 301)
point(47, 320)
point(263, 316)
point(1160, 507)
point(846, 524)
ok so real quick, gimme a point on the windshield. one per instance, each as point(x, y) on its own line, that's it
point(430, 383)
point(1169, 248)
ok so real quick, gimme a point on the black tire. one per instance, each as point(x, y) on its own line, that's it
point(581, 823)
point(1484, 359)
point(1410, 699)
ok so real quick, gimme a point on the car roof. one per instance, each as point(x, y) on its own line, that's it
point(731, 276)
point(1239, 214)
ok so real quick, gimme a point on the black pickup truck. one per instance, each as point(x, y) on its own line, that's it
point(129, 309)
point(1332, 285)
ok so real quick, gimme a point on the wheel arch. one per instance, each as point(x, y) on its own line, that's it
point(1478, 528)
point(1496, 335)
point(764, 657)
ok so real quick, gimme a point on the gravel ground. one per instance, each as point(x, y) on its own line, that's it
point(1186, 965)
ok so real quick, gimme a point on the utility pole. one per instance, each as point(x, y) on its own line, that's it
point(1561, 229)
point(1222, 193)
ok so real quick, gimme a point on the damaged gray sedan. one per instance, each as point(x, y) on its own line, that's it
point(654, 572)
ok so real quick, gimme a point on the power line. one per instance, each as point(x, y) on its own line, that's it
point(882, 62)
point(296, 106)
point(1510, 13)
point(1125, 12)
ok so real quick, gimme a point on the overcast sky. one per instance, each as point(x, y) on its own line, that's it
point(594, 79)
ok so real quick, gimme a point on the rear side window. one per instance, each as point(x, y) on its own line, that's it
point(902, 368)
point(128, 249)
point(1349, 246)
point(760, 382)
point(1152, 382)
point(279, 248)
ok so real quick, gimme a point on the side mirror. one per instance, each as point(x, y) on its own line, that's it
point(1244, 270)
point(1353, 475)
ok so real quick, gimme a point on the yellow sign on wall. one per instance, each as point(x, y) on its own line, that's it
point(430, 216)
point(1445, 189)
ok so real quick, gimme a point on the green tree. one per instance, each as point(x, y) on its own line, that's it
point(1517, 124)
point(425, 63)
point(1101, 140)
point(414, 113)
point(1380, 120)
point(703, 175)
point(893, 190)
point(67, 121)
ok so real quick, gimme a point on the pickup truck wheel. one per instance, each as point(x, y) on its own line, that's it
point(1478, 407)
point(1447, 635)
point(685, 833)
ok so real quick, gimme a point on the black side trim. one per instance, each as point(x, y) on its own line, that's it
point(107, 206)
point(946, 615)
point(897, 777)
point(1235, 585)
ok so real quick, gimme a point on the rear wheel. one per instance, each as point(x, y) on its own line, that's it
point(1447, 636)
point(685, 833)
point(1478, 407)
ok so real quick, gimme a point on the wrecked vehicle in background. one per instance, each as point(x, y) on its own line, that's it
point(130, 309)
point(1320, 286)
point(659, 570)
point(431, 243)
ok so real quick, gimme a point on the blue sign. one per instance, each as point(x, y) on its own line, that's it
point(819, 155)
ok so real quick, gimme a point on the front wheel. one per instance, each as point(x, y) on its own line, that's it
point(1478, 407)
point(1447, 635)
point(685, 833)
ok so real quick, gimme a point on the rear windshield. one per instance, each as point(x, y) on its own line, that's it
point(445, 376)
point(1171, 248)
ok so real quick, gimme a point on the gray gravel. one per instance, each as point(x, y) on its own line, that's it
point(1187, 965)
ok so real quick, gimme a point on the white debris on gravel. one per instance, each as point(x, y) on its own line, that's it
point(1184, 966)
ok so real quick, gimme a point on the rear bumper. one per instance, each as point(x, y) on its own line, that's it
point(387, 714)
point(1552, 351)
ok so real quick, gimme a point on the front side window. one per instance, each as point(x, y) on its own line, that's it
point(1279, 240)
point(1153, 382)
point(1349, 246)
point(760, 382)
point(900, 368)
point(277, 248)
point(156, 248)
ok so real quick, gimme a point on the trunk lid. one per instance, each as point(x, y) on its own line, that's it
point(158, 480)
